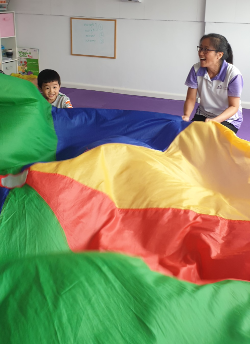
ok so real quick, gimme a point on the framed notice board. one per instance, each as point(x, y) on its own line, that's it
point(93, 37)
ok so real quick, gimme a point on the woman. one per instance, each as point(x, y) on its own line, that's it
point(218, 83)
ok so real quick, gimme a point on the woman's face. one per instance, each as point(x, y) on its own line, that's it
point(209, 59)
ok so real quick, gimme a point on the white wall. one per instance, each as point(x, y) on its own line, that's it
point(228, 11)
point(156, 43)
point(235, 38)
point(231, 19)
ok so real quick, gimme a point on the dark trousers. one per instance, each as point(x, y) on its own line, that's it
point(200, 118)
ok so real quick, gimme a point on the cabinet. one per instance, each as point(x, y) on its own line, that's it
point(8, 40)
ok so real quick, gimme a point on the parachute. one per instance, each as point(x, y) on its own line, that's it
point(120, 226)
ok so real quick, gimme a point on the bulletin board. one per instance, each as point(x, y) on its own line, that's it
point(93, 37)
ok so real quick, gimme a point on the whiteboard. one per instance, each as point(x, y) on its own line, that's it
point(93, 37)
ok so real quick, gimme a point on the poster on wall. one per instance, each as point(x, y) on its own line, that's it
point(28, 61)
point(3, 5)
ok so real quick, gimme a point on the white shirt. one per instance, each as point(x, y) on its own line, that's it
point(214, 93)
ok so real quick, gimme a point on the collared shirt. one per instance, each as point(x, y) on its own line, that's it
point(214, 93)
point(62, 101)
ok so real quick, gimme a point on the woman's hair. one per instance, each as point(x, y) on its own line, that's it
point(220, 44)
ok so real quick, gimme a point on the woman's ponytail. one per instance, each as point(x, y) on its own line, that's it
point(230, 57)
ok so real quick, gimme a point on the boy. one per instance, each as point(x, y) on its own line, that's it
point(49, 83)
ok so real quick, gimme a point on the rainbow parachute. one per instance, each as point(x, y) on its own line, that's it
point(120, 226)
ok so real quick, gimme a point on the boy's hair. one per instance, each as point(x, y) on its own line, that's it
point(48, 75)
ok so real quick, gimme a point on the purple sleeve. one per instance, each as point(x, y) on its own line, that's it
point(192, 79)
point(235, 86)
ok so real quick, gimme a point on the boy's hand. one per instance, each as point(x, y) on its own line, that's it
point(185, 118)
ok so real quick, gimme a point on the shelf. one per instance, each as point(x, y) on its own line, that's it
point(8, 65)
point(8, 60)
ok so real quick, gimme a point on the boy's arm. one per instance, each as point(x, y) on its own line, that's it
point(67, 104)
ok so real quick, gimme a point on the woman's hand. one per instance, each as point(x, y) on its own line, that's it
point(233, 107)
point(185, 118)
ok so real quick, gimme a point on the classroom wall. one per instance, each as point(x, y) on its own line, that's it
point(156, 43)
point(232, 20)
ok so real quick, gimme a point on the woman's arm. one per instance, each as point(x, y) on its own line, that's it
point(233, 107)
point(189, 103)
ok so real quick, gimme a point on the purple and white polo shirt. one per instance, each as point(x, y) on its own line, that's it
point(214, 93)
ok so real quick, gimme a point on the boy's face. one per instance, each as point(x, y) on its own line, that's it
point(50, 91)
